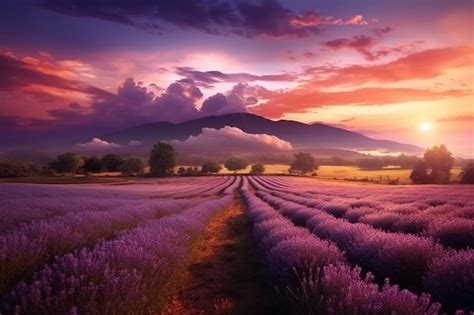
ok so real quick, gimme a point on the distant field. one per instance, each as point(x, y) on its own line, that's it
point(350, 172)
point(382, 176)
point(78, 179)
point(328, 172)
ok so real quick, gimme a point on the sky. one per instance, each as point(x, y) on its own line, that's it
point(398, 70)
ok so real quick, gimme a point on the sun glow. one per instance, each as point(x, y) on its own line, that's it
point(425, 127)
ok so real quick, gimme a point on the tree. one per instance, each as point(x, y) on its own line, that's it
point(67, 163)
point(111, 162)
point(406, 161)
point(440, 161)
point(435, 167)
point(92, 165)
point(163, 158)
point(133, 166)
point(210, 167)
point(257, 169)
point(370, 163)
point(303, 163)
point(336, 160)
point(235, 164)
point(467, 174)
point(18, 169)
point(419, 174)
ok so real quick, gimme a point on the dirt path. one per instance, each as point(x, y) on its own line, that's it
point(225, 276)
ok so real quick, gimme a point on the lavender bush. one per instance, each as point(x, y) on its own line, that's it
point(124, 275)
point(312, 273)
point(450, 280)
point(29, 247)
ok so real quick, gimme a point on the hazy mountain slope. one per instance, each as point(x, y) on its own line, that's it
point(298, 134)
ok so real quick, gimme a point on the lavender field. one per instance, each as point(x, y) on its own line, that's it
point(322, 247)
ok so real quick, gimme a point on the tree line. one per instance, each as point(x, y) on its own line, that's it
point(433, 168)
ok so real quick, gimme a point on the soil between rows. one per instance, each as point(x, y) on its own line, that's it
point(226, 275)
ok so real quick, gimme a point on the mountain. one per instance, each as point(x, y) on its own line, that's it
point(300, 135)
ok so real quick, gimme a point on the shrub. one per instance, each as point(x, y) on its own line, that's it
point(111, 162)
point(403, 258)
point(412, 224)
point(67, 163)
point(450, 280)
point(380, 219)
point(133, 166)
point(192, 171)
point(370, 163)
point(419, 174)
point(467, 174)
point(337, 209)
point(92, 165)
point(257, 169)
point(303, 163)
point(353, 214)
point(235, 164)
point(301, 254)
point(457, 232)
point(210, 166)
point(18, 169)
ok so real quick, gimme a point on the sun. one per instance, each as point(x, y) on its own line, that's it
point(425, 127)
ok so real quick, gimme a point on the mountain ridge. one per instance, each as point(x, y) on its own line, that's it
point(297, 133)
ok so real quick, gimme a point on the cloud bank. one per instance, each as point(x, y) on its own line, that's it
point(232, 139)
point(97, 144)
point(241, 18)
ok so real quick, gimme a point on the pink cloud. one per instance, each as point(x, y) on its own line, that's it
point(96, 144)
point(233, 139)
point(425, 64)
point(300, 100)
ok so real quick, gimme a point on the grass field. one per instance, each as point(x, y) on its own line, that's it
point(382, 175)
point(350, 173)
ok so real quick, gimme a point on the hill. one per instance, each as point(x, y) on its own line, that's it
point(300, 135)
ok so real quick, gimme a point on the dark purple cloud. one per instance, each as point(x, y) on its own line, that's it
point(219, 17)
point(235, 101)
point(208, 78)
point(133, 105)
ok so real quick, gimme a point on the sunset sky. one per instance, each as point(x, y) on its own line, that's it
point(398, 70)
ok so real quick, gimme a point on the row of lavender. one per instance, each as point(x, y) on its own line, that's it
point(313, 274)
point(430, 194)
point(448, 218)
point(210, 187)
point(25, 203)
point(128, 274)
point(60, 219)
point(422, 196)
point(413, 262)
point(24, 250)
